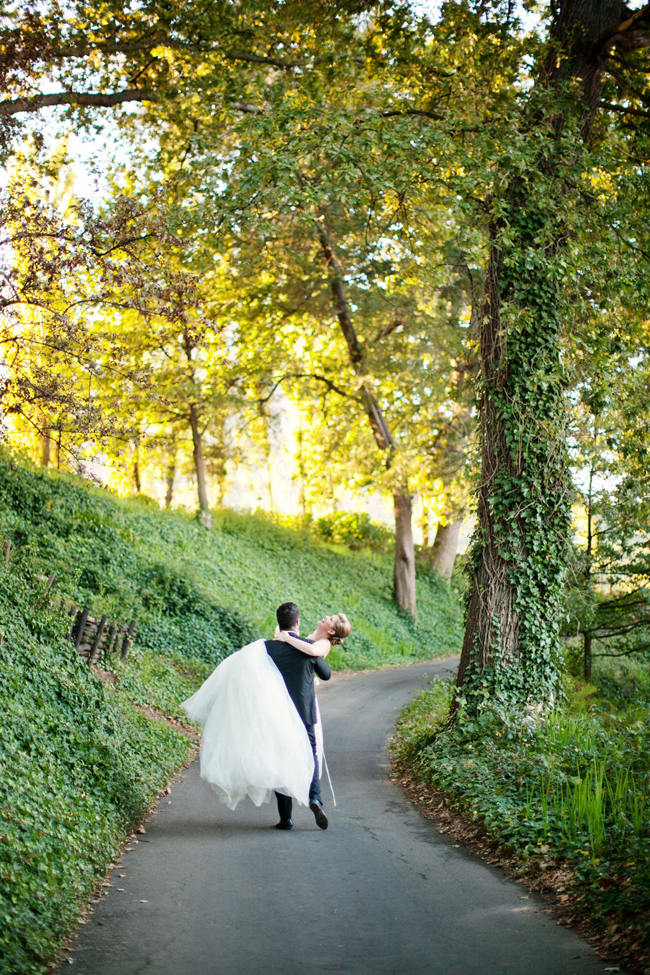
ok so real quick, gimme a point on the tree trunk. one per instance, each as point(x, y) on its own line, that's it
point(425, 525)
point(57, 452)
point(46, 446)
point(219, 472)
point(199, 466)
point(519, 553)
point(269, 481)
point(587, 637)
point(587, 655)
point(445, 547)
point(171, 475)
point(136, 472)
point(404, 568)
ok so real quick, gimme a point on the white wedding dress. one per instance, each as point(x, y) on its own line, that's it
point(254, 741)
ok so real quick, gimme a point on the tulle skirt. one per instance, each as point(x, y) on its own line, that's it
point(254, 741)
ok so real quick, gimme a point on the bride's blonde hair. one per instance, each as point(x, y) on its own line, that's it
point(342, 629)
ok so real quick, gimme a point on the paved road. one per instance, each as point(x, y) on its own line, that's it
point(210, 891)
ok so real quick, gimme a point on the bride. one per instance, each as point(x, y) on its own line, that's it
point(254, 741)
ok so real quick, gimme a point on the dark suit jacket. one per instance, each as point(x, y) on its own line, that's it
point(298, 671)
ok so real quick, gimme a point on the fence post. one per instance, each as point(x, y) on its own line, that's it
point(7, 551)
point(79, 627)
point(110, 641)
point(93, 653)
point(72, 611)
point(128, 638)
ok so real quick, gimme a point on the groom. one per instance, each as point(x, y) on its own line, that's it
point(298, 671)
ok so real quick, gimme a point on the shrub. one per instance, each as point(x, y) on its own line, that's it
point(354, 530)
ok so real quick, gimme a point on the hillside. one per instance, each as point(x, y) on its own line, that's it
point(201, 594)
point(86, 752)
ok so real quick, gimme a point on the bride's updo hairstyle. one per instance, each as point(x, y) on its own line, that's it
point(342, 629)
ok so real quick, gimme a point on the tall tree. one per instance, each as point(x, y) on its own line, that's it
point(520, 549)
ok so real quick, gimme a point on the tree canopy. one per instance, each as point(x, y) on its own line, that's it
point(427, 230)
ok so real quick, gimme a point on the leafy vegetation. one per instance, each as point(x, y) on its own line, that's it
point(354, 529)
point(201, 594)
point(571, 788)
point(80, 766)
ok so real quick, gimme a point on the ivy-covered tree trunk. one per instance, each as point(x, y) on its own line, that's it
point(518, 557)
point(521, 543)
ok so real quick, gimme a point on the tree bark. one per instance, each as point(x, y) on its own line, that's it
point(515, 592)
point(171, 476)
point(445, 547)
point(136, 471)
point(587, 655)
point(404, 568)
point(46, 446)
point(199, 467)
point(404, 565)
point(33, 103)
point(57, 452)
point(587, 636)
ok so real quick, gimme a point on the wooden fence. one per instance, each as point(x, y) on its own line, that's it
point(95, 639)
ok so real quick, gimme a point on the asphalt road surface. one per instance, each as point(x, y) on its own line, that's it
point(381, 892)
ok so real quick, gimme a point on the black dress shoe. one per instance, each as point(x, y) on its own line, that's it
point(284, 824)
point(319, 813)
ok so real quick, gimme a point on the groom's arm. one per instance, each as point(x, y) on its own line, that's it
point(322, 668)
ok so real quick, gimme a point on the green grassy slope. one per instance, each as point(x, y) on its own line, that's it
point(202, 594)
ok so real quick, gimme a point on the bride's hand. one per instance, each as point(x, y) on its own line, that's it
point(283, 635)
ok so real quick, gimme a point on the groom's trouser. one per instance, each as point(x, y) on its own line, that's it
point(285, 805)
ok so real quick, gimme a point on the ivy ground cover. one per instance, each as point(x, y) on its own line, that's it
point(79, 768)
point(571, 791)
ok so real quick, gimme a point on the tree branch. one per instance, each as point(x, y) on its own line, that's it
point(308, 375)
point(247, 108)
point(641, 648)
point(393, 113)
point(610, 107)
point(630, 34)
point(33, 103)
point(175, 44)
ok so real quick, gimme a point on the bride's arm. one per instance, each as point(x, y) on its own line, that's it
point(318, 649)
